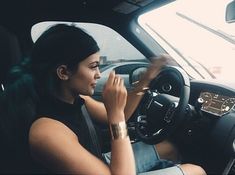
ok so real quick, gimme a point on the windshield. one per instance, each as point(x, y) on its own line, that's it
point(195, 31)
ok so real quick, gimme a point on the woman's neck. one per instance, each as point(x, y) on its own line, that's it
point(65, 95)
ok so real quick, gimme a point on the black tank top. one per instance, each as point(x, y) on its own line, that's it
point(70, 115)
point(17, 159)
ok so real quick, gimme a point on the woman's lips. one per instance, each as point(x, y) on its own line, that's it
point(93, 85)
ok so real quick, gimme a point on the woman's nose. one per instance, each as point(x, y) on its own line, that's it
point(98, 74)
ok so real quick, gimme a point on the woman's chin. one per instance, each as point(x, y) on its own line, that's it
point(88, 92)
point(92, 92)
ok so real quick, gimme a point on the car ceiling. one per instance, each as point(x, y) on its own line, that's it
point(18, 16)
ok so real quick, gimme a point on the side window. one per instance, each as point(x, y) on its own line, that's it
point(126, 56)
point(107, 39)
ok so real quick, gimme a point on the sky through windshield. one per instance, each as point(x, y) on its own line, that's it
point(198, 31)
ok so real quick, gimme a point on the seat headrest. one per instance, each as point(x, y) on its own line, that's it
point(10, 53)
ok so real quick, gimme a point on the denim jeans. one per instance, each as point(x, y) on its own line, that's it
point(148, 162)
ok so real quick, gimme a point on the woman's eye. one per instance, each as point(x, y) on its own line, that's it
point(95, 66)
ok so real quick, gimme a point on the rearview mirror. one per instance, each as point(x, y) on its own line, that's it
point(230, 12)
point(136, 75)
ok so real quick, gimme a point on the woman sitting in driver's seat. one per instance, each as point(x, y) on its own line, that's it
point(43, 122)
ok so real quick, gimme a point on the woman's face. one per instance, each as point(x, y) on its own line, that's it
point(84, 79)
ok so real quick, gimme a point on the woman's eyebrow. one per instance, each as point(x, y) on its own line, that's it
point(95, 62)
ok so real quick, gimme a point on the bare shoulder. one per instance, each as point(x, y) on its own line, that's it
point(57, 147)
point(50, 136)
point(47, 138)
point(49, 128)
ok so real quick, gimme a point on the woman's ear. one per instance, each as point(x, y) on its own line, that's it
point(62, 72)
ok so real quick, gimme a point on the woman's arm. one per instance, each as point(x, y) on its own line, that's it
point(135, 96)
point(57, 148)
point(97, 109)
point(115, 96)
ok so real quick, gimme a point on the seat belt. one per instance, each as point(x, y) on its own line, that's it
point(92, 132)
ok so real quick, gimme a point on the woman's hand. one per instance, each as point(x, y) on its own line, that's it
point(157, 63)
point(135, 95)
point(115, 96)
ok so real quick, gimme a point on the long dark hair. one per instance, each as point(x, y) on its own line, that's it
point(36, 76)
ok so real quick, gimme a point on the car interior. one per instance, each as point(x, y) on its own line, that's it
point(198, 115)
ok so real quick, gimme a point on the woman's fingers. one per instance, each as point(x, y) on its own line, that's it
point(121, 83)
point(111, 78)
point(163, 60)
point(114, 96)
point(116, 80)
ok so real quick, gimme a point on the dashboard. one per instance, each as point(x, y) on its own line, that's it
point(210, 123)
point(216, 104)
point(212, 98)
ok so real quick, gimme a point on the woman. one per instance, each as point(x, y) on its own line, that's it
point(43, 104)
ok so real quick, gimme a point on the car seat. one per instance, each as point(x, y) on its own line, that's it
point(10, 54)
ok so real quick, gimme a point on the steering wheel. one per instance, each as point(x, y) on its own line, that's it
point(160, 114)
